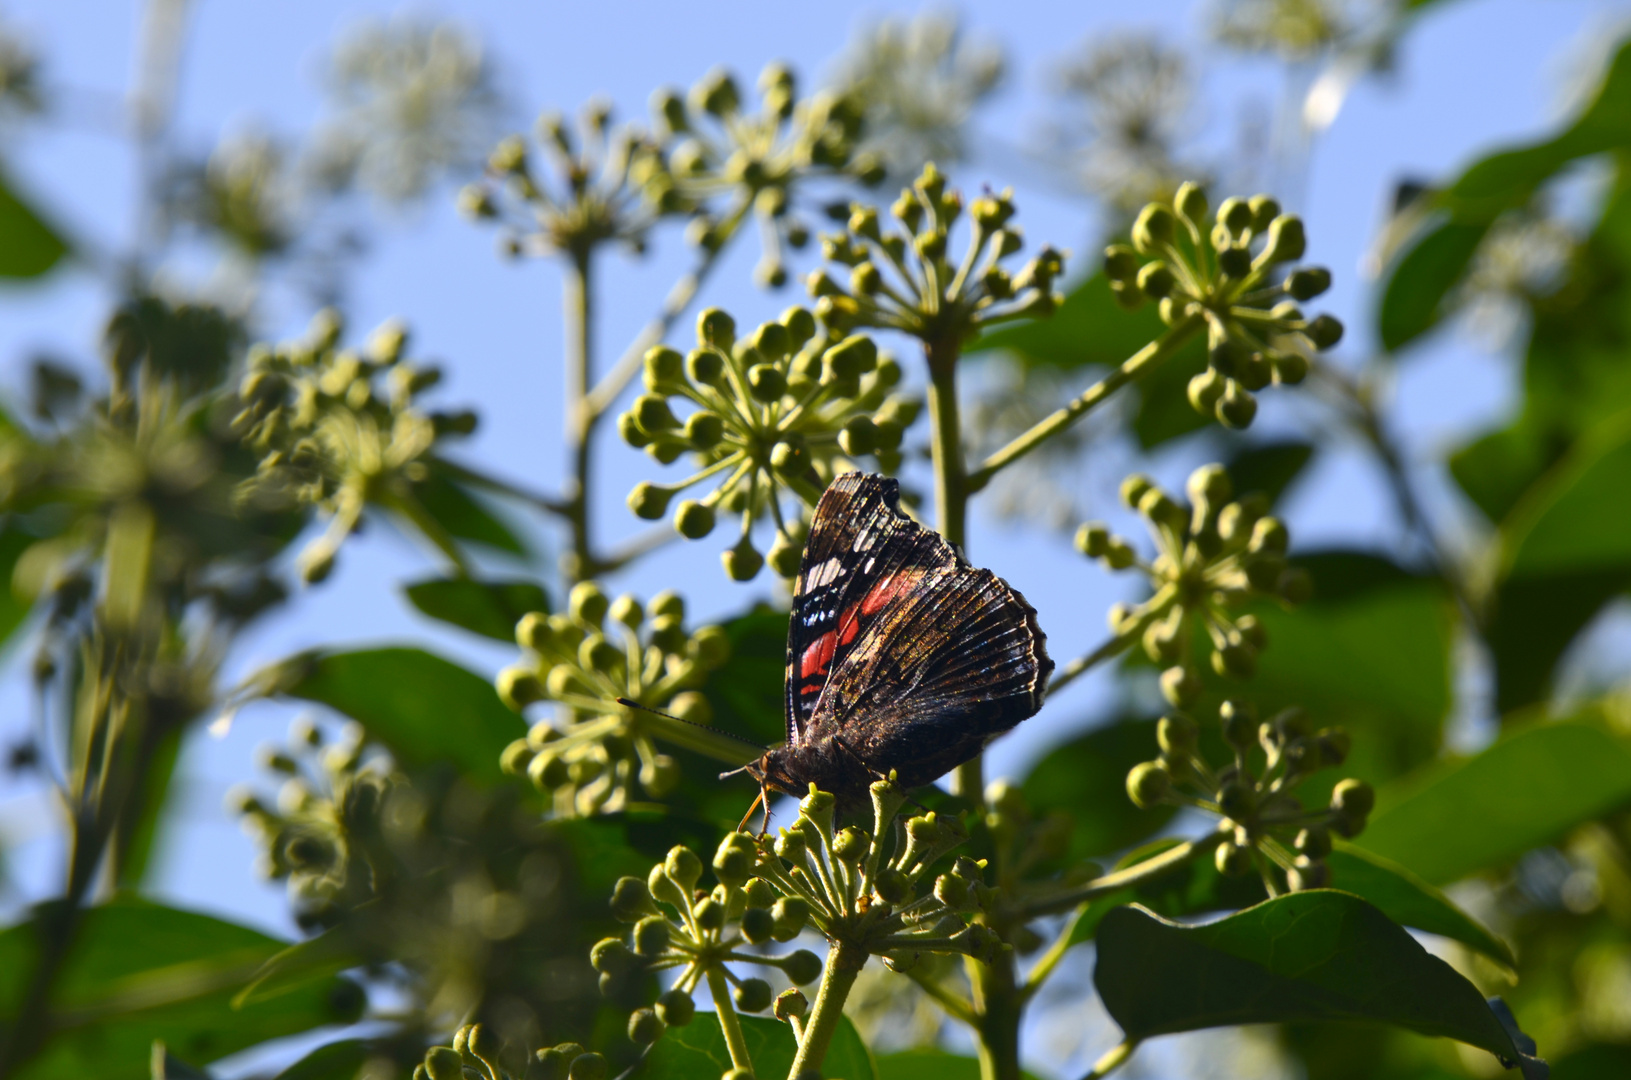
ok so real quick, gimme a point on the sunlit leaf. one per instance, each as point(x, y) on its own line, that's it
point(1087, 777)
point(488, 608)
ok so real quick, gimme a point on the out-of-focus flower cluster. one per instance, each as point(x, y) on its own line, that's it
point(919, 80)
point(906, 279)
point(783, 408)
point(1294, 29)
point(722, 163)
point(20, 93)
point(590, 201)
point(1264, 821)
point(1212, 557)
point(341, 429)
point(1221, 273)
point(592, 753)
point(478, 1054)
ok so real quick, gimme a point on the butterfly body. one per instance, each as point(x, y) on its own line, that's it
point(900, 656)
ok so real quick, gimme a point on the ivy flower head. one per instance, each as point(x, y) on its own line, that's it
point(596, 749)
point(724, 163)
point(907, 278)
point(778, 411)
point(1211, 558)
point(1264, 825)
point(1223, 271)
point(592, 198)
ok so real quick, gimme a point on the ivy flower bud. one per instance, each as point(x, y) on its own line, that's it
point(1149, 784)
point(693, 520)
point(801, 967)
point(631, 900)
point(1286, 241)
point(645, 1027)
point(753, 995)
point(675, 1008)
point(1153, 229)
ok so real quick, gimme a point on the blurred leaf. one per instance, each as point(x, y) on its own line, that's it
point(166, 1066)
point(1268, 467)
point(1532, 624)
point(13, 608)
point(488, 608)
point(697, 1051)
point(628, 844)
point(301, 964)
point(28, 246)
point(1574, 518)
point(423, 708)
point(141, 972)
point(1602, 1061)
point(140, 837)
point(1318, 955)
point(1526, 790)
point(464, 514)
point(1088, 778)
point(336, 1061)
point(1410, 901)
point(748, 693)
point(1423, 276)
point(1164, 411)
point(932, 1065)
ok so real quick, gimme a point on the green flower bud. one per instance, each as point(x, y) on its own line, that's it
point(743, 562)
point(1239, 724)
point(651, 936)
point(1149, 784)
point(1133, 489)
point(693, 520)
point(1354, 798)
point(706, 367)
point(645, 1027)
point(891, 885)
point(1308, 875)
point(1289, 368)
point(1264, 210)
point(628, 429)
point(710, 646)
point(790, 1003)
point(1206, 390)
point(890, 433)
point(1120, 263)
point(1177, 735)
point(859, 436)
point(549, 772)
point(801, 967)
point(611, 956)
point(785, 556)
point(444, 1063)
point(1254, 372)
point(653, 415)
point(1235, 215)
point(1180, 686)
point(851, 845)
point(733, 861)
point(1324, 331)
point(1237, 659)
point(1307, 283)
point(1158, 508)
point(1334, 745)
point(675, 1008)
point(595, 653)
point(518, 685)
point(790, 914)
point(766, 382)
point(1237, 799)
point(515, 758)
point(801, 327)
point(854, 356)
point(757, 893)
point(1156, 281)
point(589, 1066)
point(1161, 640)
point(1287, 240)
point(665, 370)
point(660, 776)
point(1118, 555)
point(709, 914)
point(790, 845)
point(1231, 859)
point(587, 604)
point(789, 456)
point(753, 995)
point(1190, 201)
point(1154, 228)
point(682, 867)
point(631, 900)
point(1093, 539)
point(1314, 842)
point(1237, 408)
point(1235, 262)
point(649, 501)
point(758, 925)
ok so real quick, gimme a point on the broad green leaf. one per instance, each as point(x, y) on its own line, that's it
point(336, 1061)
point(1269, 467)
point(1410, 901)
point(1317, 955)
point(1525, 790)
point(927, 1064)
point(697, 1051)
point(13, 608)
point(301, 964)
point(748, 692)
point(28, 246)
point(1533, 623)
point(1574, 519)
point(424, 708)
point(1413, 300)
point(629, 844)
point(488, 608)
point(1599, 1061)
point(465, 514)
point(141, 972)
point(1087, 777)
point(141, 839)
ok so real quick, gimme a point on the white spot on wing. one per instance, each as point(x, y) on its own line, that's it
point(824, 573)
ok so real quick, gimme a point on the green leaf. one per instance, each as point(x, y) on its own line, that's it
point(13, 608)
point(424, 708)
point(748, 692)
point(166, 1066)
point(336, 1061)
point(1534, 621)
point(1269, 467)
point(1526, 790)
point(141, 972)
point(465, 514)
point(1088, 778)
point(1410, 901)
point(1413, 299)
point(1574, 519)
point(697, 1051)
point(1317, 955)
point(488, 608)
point(28, 246)
point(928, 1064)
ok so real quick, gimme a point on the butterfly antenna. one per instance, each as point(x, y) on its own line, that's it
point(717, 731)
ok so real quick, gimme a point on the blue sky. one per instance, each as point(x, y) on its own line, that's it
point(1473, 75)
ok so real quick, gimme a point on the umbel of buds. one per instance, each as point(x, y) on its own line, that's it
point(675, 924)
point(1212, 557)
point(1264, 823)
point(341, 429)
point(1230, 270)
point(779, 410)
point(592, 199)
point(594, 750)
point(906, 277)
point(476, 1051)
point(722, 162)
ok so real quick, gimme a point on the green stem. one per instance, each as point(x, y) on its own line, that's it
point(844, 963)
point(580, 414)
point(1115, 1059)
point(1146, 359)
point(1000, 1007)
point(1137, 874)
point(1056, 952)
point(728, 1020)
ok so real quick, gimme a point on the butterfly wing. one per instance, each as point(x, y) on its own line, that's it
point(861, 553)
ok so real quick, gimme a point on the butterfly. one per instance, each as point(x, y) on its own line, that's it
point(901, 657)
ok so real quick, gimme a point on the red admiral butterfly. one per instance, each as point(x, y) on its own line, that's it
point(900, 655)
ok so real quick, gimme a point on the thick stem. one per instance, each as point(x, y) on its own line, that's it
point(844, 963)
point(1147, 358)
point(580, 414)
point(1000, 1007)
point(729, 1023)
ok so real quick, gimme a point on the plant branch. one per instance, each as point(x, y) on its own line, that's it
point(956, 1005)
point(844, 963)
point(1137, 874)
point(729, 1023)
point(1056, 952)
point(1146, 359)
point(1110, 1062)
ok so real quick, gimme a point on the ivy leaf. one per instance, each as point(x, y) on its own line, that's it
point(1087, 777)
point(463, 513)
point(488, 608)
point(697, 1051)
point(28, 246)
point(1317, 955)
point(142, 972)
point(423, 708)
point(1526, 790)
